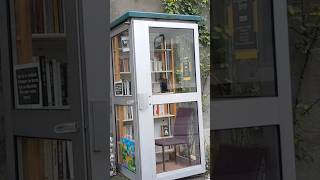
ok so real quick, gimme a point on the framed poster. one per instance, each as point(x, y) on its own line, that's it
point(125, 43)
point(118, 88)
point(164, 130)
point(27, 82)
point(245, 29)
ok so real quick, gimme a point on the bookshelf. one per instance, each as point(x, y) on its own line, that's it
point(41, 159)
point(164, 116)
point(121, 64)
point(163, 68)
point(125, 136)
point(41, 42)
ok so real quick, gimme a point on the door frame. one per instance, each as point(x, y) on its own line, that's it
point(24, 122)
point(146, 100)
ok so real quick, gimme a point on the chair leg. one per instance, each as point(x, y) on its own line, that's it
point(163, 160)
point(175, 154)
point(189, 154)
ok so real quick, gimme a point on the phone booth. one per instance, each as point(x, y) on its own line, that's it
point(156, 96)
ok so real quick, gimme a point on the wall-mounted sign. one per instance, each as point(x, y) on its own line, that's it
point(28, 86)
point(245, 29)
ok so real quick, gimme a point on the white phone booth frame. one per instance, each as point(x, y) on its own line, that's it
point(144, 99)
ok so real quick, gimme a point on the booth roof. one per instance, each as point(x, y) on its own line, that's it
point(152, 15)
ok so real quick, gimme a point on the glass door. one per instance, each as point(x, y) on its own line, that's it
point(47, 110)
point(124, 113)
point(174, 112)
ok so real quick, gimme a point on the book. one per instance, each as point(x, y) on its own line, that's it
point(70, 160)
point(48, 83)
point(61, 16)
point(42, 62)
point(55, 160)
point(64, 84)
point(51, 81)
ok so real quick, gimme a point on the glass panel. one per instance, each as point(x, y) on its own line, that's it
point(121, 64)
point(125, 137)
point(246, 153)
point(172, 60)
point(176, 136)
point(41, 64)
point(243, 57)
point(44, 159)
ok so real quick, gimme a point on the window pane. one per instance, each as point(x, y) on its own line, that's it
point(41, 57)
point(243, 60)
point(125, 137)
point(176, 128)
point(172, 60)
point(246, 153)
point(44, 159)
point(121, 64)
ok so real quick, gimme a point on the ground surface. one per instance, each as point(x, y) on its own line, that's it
point(198, 177)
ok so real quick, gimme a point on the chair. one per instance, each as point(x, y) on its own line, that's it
point(180, 134)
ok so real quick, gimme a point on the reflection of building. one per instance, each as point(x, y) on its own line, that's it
point(251, 101)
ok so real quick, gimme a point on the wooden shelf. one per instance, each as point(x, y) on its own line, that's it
point(161, 50)
point(49, 35)
point(163, 93)
point(126, 120)
point(123, 95)
point(164, 116)
point(161, 71)
point(125, 72)
point(55, 107)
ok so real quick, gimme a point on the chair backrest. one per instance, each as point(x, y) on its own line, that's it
point(182, 122)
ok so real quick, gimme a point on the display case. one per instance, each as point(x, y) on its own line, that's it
point(156, 96)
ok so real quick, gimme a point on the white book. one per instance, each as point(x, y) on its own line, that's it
point(20, 158)
point(55, 160)
point(64, 154)
point(70, 159)
point(49, 93)
point(161, 109)
point(59, 93)
point(55, 82)
point(48, 160)
point(35, 59)
point(131, 108)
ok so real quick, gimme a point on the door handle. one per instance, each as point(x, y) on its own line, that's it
point(65, 128)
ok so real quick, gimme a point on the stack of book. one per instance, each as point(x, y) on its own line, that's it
point(58, 160)
point(47, 16)
point(127, 132)
point(124, 65)
point(127, 112)
point(53, 81)
point(161, 110)
point(126, 87)
point(156, 66)
point(53, 159)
